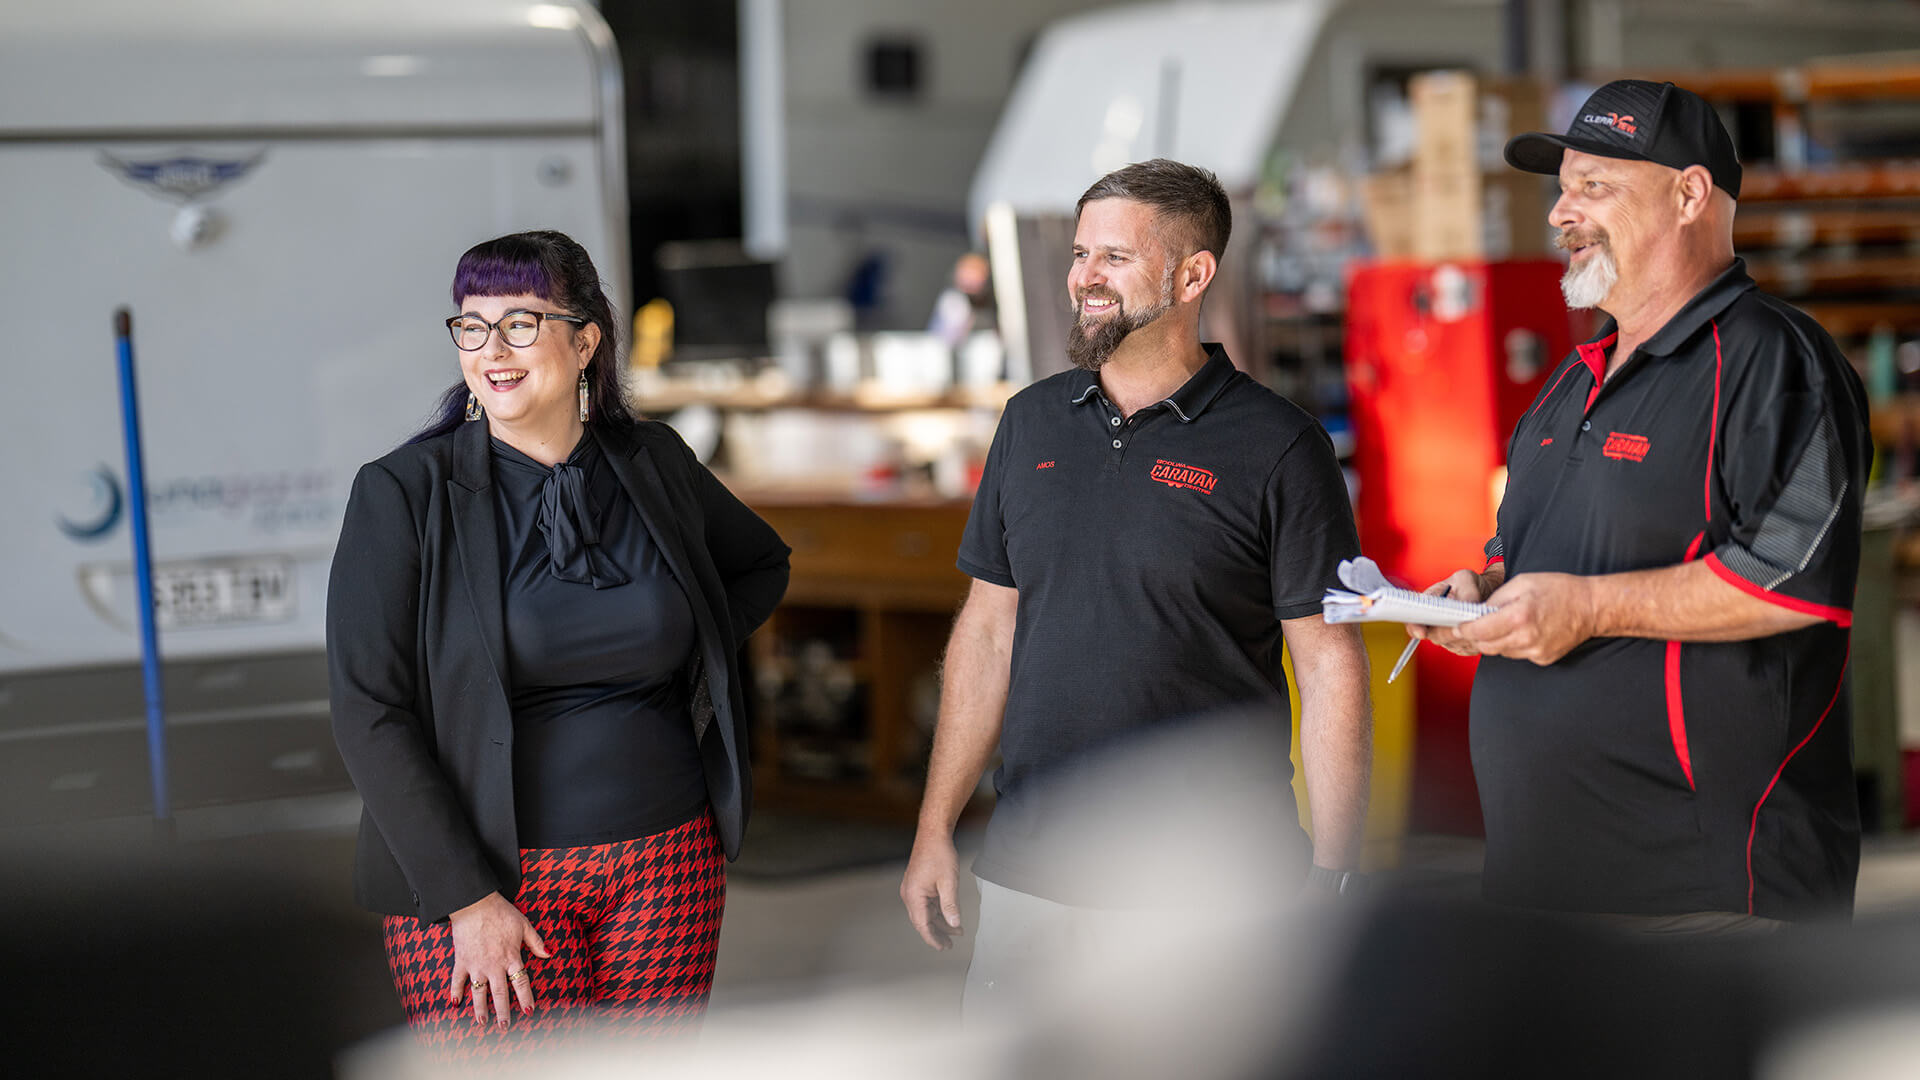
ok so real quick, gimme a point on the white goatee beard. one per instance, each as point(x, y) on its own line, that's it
point(1587, 282)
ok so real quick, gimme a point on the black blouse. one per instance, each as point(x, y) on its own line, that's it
point(598, 638)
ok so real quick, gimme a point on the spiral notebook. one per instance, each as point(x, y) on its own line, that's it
point(1373, 599)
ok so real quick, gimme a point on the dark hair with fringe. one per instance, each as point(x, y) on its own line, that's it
point(552, 266)
point(1186, 196)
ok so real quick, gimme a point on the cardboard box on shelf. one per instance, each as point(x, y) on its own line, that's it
point(1442, 217)
point(1507, 108)
point(1446, 216)
point(1513, 217)
point(1446, 115)
point(1459, 199)
point(1386, 200)
point(1463, 122)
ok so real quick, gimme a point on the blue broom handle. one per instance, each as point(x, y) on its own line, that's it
point(143, 577)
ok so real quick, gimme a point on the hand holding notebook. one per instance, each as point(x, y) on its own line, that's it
point(1374, 600)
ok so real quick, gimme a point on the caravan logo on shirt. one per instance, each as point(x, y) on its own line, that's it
point(1626, 447)
point(1191, 477)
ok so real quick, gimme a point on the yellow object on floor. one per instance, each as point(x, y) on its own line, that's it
point(1392, 784)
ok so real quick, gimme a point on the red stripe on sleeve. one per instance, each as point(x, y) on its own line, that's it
point(1840, 617)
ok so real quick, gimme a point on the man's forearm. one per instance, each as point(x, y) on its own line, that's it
point(973, 700)
point(963, 744)
point(1687, 602)
point(1336, 743)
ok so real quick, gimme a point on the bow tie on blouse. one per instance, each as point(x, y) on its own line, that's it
point(568, 522)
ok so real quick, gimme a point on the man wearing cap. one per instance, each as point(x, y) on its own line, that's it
point(1660, 726)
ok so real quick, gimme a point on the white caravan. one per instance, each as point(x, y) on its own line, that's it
point(279, 193)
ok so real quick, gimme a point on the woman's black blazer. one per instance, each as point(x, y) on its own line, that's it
point(418, 671)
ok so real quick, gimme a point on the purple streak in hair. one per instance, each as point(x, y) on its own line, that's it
point(495, 273)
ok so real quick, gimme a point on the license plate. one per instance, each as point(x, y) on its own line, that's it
point(218, 592)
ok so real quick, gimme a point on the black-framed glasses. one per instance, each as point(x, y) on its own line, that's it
point(517, 328)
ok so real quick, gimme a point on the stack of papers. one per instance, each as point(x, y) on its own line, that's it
point(1374, 600)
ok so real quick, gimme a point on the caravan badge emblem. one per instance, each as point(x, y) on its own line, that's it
point(106, 504)
point(183, 178)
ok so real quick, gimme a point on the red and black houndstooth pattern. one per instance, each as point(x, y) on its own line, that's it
point(634, 929)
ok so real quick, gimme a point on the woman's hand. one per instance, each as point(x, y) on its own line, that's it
point(487, 937)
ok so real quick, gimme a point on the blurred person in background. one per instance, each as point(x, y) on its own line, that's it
point(531, 629)
point(1151, 527)
point(1660, 726)
point(965, 305)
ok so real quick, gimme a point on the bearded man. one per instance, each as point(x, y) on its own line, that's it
point(1660, 727)
point(1150, 528)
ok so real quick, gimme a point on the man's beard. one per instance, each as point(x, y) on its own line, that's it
point(1587, 282)
point(1091, 342)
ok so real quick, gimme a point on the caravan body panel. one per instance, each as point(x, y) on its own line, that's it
point(285, 240)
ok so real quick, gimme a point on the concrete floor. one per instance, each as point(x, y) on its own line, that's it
point(271, 791)
point(788, 943)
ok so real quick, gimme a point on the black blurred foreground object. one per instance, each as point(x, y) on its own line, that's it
point(192, 963)
point(1466, 990)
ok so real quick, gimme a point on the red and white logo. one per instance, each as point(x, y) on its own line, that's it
point(1626, 447)
point(1045, 465)
point(1625, 125)
point(1192, 477)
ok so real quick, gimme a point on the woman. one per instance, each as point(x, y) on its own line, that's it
point(532, 626)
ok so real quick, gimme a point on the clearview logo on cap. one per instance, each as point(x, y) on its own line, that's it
point(1625, 125)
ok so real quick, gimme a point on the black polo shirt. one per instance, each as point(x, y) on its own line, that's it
point(1155, 557)
point(1659, 777)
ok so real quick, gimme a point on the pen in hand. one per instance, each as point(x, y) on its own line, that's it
point(1406, 654)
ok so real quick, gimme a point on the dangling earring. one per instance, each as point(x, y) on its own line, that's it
point(583, 397)
point(473, 407)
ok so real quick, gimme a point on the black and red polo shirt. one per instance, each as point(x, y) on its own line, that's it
point(1155, 556)
point(1658, 777)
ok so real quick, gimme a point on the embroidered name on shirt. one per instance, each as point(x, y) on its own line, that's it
point(1174, 474)
point(1045, 465)
point(1626, 447)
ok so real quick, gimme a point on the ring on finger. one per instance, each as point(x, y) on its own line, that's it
point(516, 976)
point(479, 985)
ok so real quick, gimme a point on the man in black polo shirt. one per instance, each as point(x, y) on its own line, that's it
point(1660, 728)
point(1149, 529)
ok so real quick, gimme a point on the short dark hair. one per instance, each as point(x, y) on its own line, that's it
point(1187, 196)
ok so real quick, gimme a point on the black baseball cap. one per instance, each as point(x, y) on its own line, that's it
point(1639, 121)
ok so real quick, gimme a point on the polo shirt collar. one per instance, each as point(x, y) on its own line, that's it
point(1705, 305)
point(1702, 309)
point(1189, 401)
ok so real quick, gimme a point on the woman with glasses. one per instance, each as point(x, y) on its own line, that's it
point(532, 626)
